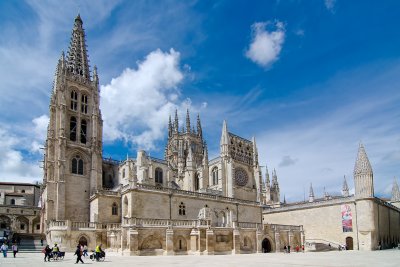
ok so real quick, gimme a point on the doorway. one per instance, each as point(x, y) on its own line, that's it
point(266, 246)
point(349, 243)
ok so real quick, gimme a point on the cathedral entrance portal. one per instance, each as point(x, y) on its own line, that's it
point(266, 246)
point(349, 243)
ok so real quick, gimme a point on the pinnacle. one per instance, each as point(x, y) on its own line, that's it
point(362, 165)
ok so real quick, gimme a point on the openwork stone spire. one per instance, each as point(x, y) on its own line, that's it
point(199, 130)
point(345, 188)
point(187, 121)
point(77, 58)
point(362, 165)
point(395, 191)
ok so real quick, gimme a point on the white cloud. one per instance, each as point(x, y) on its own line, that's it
point(265, 45)
point(40, 131)
point(330, 4)
point(14, 167)
point(137, 103)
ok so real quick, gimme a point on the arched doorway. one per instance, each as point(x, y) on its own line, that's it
point(349, 243)
point(266, 246)
point(83, 241)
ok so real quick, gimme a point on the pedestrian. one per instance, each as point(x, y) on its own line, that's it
point(47, 251)
point(288, 249)
point(4, 249)
point(85, 249)
point(41, 242)
point(14, 249)
point(98, 252)
point(302, 248)
point(56, 250)
point(78, 253)
point(297, 248)
point(285, 249)
point(19, 240)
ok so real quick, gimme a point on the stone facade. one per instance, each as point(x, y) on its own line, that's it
point(183, 204)
point(19, 210)
point(373, 222)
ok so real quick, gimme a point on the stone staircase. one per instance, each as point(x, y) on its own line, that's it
point(30, 243)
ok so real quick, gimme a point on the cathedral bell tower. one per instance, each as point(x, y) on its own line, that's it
point(73, 149)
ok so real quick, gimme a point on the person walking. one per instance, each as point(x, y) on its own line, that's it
point(4, 249)
point(41, 242)
point(14, 249)
point(98, 252)
point(85, 249)
point(47, 251)
point(78, 253)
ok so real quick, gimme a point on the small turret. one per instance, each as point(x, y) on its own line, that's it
point(176, 123)
point(311, 194)
point(345, 188)
point(199, 130)
point(224, 143)
point(363, 175)
point(255, 152)
point(187, 121)
point(395, 191)
point(169, 126)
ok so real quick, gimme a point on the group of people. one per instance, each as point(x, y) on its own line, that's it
point(51, 252)
point(4, 249)
point(286, 249)
point(81, 250)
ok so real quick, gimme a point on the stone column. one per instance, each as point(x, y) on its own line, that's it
point(259, 241)
point(30, 227)
point(169, 240)
point(236, 241)
point(210, 242)
point(133, 242)
point(194, 235)
point(290, 240)
point(277, 242)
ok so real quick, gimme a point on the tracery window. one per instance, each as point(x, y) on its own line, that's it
point(12, 201)
point(182, 209)
point(74, 100)
point(83, 131)
point(214, 175)
point(84, 104)
point(72, 129)
point(77, 165)
point(114, 209)
point(159, 176)
point(196, 182)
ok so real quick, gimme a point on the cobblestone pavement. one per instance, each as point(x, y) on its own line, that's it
point(344, 258)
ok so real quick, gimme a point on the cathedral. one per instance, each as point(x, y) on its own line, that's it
point(185, 203)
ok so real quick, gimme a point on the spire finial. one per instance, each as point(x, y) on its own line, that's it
point(395, 191)
point(199, 130)
point(311, 194)
point(176, 124)
point(345, 188)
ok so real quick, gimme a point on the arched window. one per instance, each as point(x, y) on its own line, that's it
point(83, 131)
point(84, 104)
point(77, 165)
point(159, 176)
point(125, 206)
point(74, 100)
point(123, 173)
point(214, 176)
point(72, 129)
point(182, 210)
point(12, 201)
point(114, 209)
point(196, 182)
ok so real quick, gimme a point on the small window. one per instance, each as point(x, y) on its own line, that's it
point(77, 165)
point(83, 131)
point(123, 173)
point(34, 213)
point(2, 225)
point(22, 211)
point(84, 104)
point(215, 176)
point(114, 209)
point(12, 201)
point(72, 129)
point(22, 226)
point(196, 182)
point(74, 100)
point(22, 191)
point(182, 209)
point(37, 226)
point(159, 176)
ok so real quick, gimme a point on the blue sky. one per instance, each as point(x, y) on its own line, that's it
point(308, 79)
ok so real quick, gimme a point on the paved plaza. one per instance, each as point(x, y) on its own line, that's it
point(344, 258)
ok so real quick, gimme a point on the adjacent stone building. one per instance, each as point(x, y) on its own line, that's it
point(19, 208)
point(360, 221)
